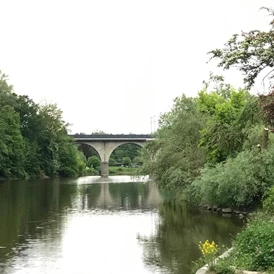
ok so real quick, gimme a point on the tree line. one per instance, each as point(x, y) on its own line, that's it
point(34, 139)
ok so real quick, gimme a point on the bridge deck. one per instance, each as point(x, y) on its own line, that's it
point(112, 137)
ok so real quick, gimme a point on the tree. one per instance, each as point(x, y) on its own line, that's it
point(126, 161)
point(223, 135)
point(7, 97)
point(174, 158)
point(94, 162)
point(12, 147)
point(251, 52)
point(34, 139)
point(98, 132)
point(127, 150)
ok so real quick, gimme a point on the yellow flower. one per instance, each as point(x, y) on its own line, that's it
point(209, 251)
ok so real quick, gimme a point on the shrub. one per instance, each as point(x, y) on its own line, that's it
point(238, 182)
point(94, 162)
point(255, 244)
point(223, 267)
point(268, 203)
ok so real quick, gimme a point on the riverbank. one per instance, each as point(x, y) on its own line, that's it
point(119, 170)
point(121, 214)
point(252, 249)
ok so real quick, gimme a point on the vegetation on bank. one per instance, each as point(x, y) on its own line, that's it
point(253, 247)
point(119, 170)
point(217, 148)
point(34, 141)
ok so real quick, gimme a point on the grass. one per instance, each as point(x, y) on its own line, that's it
point(118, 170)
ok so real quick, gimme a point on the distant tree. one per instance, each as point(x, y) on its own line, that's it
point(94, 162)
point(98, 132)
point(127, 150)
point(126, 161)
point(112, 162)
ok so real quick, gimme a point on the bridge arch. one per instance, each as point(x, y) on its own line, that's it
point(93, 148)
point(105, 149)
point(132, 150)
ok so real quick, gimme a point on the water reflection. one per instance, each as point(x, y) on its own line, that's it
point(178, 232)
point(90, 225)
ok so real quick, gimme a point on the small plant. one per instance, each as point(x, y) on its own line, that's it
point(223, 267)
point(209, 252)
point(196, 265)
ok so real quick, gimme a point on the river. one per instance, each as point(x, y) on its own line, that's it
point(102, 226)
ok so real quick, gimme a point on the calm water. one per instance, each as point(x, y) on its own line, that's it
point(90, 225)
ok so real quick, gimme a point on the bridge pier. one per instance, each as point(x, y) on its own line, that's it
point(104, 169)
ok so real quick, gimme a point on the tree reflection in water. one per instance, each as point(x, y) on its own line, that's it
point(174, 245)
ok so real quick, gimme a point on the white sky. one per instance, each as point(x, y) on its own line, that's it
point(111, 65)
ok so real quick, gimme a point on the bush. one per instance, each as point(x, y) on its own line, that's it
point(94, 162)
point(223, 267)
point(239, 181)
point(68, 172)
point(254, 245)
point(268, 203)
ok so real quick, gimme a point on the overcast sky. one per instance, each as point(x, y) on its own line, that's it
point(112, 65)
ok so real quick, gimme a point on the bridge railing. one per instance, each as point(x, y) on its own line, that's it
point(112, 136)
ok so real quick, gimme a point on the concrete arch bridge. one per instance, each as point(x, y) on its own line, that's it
point(105, 144)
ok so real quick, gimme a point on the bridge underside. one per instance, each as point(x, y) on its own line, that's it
point(105, 148)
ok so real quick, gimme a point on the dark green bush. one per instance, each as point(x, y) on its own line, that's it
point(255, 244)
point(240, 181)
point(222, 267)
point(268, 203)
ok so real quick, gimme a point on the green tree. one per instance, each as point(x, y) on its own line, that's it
point(251, 52)
point(223, 135)
point(72, 162)
point(126, 161)
point(59, 153)
point(12, 146)
point(94, 162)
point(174, 158)
point(98, 132)
point(34, 139)
point(127, 150)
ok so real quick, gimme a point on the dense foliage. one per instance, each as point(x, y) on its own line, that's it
point(217, 148)
point(254, 245)
point(238, 182)
point(174, 158)
point(127, 155)
point(203, 142)
point(34, 140)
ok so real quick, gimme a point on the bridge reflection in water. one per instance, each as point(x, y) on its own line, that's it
point(118, 192)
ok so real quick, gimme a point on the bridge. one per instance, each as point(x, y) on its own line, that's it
point(105, 144)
